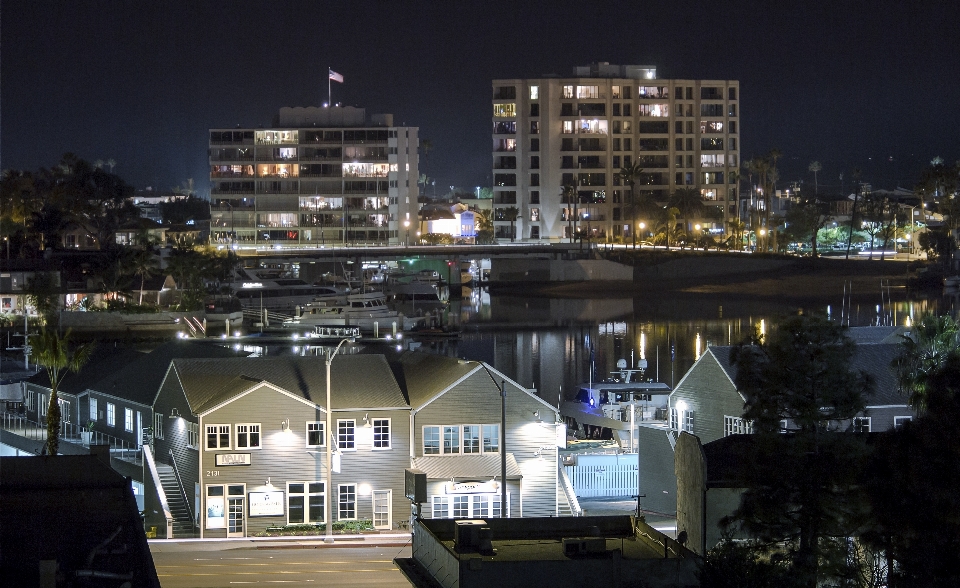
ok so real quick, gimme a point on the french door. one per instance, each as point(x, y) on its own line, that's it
point(235, 508)
point(382, 502)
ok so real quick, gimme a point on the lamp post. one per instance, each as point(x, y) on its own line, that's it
point(698, 228)
point(406, 240)
point(763, 233)
point(328, 491)
point(641, 226)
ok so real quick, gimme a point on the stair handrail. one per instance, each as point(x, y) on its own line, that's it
point(183, 493)
point(155, 476)
point(568, 490)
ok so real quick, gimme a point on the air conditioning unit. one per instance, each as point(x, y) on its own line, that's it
point(581, 546)
point(472, 536)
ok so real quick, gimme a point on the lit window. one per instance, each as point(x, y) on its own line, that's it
point(315, 437)
point(451, 439)
point(588, 91)
point(248, 436)
point(128, 420)
point(491, 438)
point(193, 434)
point(441, 507)
point(431, 441)
point(93, 409)
point(348, 502)
point(471, 438)
point(345, 434)
point(111, 415)
point(218, 437)
point(736, 426)
point(157, 426)
point(506, 110)
point(567, 92)
point(305, 502)
point(534, 92)
point(658, 110)
point(381, 433)
point(461, 506)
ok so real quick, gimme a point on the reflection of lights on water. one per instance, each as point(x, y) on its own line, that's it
point(908, 320)
point(763, 328)
point(697, 348)
point(643, 345)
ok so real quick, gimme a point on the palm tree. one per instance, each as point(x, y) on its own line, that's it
point(58, 357)
point(143, 264)
point(630, 174)
point(667, 224)
point(934, 342)
point(510, 213)
point(688, 201)
point(815, 167)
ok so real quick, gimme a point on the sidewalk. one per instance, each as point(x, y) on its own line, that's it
point(288, 542)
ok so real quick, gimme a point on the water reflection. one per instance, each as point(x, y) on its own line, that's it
point(553, 345)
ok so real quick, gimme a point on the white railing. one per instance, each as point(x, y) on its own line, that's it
point(70, 433)
point(152, 467)
point(568, 490)
point(603, 480)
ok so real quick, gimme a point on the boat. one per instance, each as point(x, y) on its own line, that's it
point(612, 403)
point(413, 298)
point(220, 308)
point(367, 311)
point(282, 294)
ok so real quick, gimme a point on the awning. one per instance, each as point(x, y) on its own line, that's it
point(467, 467)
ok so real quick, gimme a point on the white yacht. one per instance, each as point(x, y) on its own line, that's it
point(367, 311)
point(281, 294)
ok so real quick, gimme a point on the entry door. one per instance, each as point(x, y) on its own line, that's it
point(139, 429)
point(235, 511)
point(382, 502)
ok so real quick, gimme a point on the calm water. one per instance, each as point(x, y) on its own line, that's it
point(552, 344)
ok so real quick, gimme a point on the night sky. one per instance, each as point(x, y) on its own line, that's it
point(874, 85)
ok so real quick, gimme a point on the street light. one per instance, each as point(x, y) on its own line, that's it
point(328, 518)
point(642, 226)
point(763, 233)
point(406, 225)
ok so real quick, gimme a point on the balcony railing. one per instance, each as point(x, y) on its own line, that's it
point(71, 433)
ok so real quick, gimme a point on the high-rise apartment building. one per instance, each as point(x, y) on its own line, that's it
point(318, 176)
point(580, 131)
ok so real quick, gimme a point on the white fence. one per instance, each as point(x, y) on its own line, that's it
point(604, 480)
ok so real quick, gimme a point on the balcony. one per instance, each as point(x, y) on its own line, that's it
point(78, 437)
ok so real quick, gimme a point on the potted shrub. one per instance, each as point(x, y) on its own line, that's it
point(87, 436)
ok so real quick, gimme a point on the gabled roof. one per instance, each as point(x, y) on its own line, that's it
point(357, 381)
point(140, 380)
point(426, 375)
point(104, 360)
point(873, 359)
point(875, 335)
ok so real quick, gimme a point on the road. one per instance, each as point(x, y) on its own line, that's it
point(222, 564)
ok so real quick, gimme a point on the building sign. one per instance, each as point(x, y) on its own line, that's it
point(490, 487)
point(252, 285)
point(266, 504)
point(233, 459)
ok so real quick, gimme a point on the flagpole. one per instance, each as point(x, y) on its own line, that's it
point(329, 102)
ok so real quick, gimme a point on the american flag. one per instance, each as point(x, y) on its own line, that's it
point(335, 76)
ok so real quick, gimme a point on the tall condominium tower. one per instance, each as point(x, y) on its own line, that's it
point(559, 145)
point(318, 176)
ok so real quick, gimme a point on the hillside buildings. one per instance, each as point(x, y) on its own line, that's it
point(579, 131)
point(318, 176)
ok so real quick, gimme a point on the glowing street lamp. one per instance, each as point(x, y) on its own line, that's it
point(641, 227)
point(406, 225)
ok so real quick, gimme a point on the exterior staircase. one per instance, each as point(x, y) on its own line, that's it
point(182, 521)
